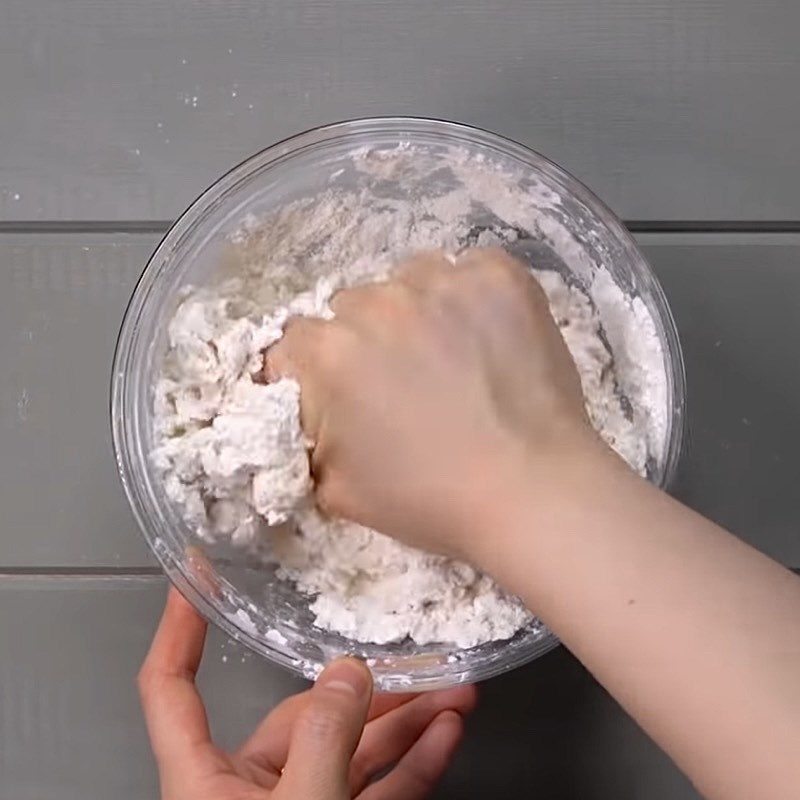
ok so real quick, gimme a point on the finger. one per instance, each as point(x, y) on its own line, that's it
point(347, 301)
point(268, 746)
point(421, 270)
point(481, 256)
point(293, 353)
point(205, 576)
point(276, 727)
point(325, 735)
point(494, 265)
point(263, 754)
point(384, 703)
point(419, 770)
point(298, 355)
point(388, 738)
point(374, 308)
point(174, 713)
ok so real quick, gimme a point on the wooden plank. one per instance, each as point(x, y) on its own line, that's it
point(737, 307)
point(670, 110)
point(70, 726)
point(735, 300)
point(60, 310)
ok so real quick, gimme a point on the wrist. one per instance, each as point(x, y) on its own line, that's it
point(526, 494)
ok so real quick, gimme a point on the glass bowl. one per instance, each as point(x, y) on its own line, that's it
point(248, 602)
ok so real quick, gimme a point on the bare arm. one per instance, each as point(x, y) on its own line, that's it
point(695, 633)
point(447, 412)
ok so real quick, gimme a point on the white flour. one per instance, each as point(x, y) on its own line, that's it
point(231, 450)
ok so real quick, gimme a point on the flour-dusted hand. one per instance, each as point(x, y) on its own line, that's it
point(426, 390)
point(324, 744)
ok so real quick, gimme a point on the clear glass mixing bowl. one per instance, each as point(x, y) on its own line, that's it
point(248, 602)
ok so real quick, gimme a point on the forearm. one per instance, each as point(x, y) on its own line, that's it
point(695, 633)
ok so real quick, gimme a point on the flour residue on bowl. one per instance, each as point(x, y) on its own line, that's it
point(230, 448)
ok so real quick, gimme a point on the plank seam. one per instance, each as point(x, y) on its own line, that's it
point(158, 226)
point(108, 572)
point(78, 572)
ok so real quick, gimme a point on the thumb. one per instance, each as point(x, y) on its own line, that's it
point(326, 734)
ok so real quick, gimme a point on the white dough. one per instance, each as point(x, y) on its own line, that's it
point(230, 447)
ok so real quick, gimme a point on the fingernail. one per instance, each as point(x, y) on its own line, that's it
point(347, 675)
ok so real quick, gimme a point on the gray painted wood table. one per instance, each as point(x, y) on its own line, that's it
point(683, 115)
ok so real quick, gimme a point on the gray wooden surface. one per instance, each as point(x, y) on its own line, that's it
point(62, 302)
point(115, 115)
point(670, 109)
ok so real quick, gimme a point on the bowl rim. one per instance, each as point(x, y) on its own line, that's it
point(205, 202)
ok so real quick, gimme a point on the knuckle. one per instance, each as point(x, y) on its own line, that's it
point(353, 302)
point(488, 265)
point(502, 265)
point(442, 281)
point(383, 299)
point(387, 299)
